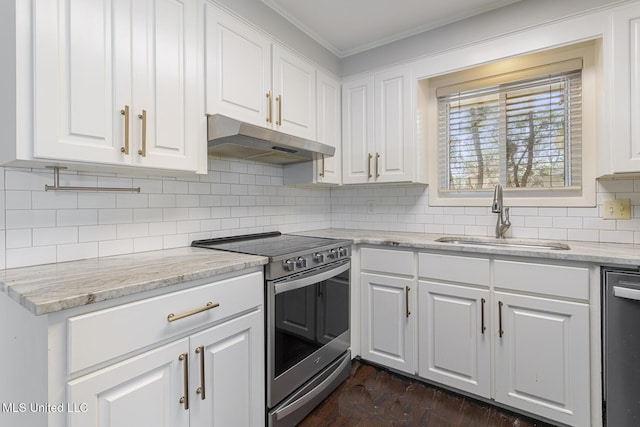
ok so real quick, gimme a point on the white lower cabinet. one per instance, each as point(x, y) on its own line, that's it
point(542, 357)
point(521, 326)
point(190, 357)
point(213, 378)
point(388, 323)
point(143, 390)
point(454, 339)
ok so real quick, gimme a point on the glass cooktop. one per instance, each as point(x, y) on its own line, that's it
point(272, 244)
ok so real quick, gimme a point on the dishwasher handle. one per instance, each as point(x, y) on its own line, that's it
point(628, 293)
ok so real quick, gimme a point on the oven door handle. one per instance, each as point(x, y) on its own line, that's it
point(620, 292)
point(310, 280)
point(294, 406)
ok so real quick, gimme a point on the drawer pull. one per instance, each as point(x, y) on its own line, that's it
point(184, 400)
point(406, 297)
point(172, 317)
point(500, 331)
point(200, 390)
point(482, 326)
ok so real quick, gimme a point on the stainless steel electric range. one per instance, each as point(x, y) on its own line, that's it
point(307, 294)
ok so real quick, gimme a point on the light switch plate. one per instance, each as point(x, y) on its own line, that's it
point(616, 209)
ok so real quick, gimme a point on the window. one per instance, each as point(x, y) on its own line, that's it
point(524, 134)
point(528, 123)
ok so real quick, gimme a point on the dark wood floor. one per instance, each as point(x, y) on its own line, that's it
point(373, 397)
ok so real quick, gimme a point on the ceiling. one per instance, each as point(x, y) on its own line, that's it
point(346, 27)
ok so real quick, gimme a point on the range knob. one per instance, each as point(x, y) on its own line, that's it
point(318, 257)
point(342, 252)
point(333, 254)
point(289, 265)
point(301, 262)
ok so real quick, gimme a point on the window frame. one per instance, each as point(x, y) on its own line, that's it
point(590, 54)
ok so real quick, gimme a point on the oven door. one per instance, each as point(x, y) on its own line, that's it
point(307, 326)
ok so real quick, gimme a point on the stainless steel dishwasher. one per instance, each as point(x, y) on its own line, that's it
point(621, 346)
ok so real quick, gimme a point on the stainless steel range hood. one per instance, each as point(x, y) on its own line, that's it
point(232, 138)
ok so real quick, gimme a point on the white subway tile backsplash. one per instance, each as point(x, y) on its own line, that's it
point(54, 236)
point(74, 251)
point(30, 256)
point(238, 197)
point(19, 238)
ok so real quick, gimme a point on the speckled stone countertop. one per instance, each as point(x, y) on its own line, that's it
point(597, 253)
point(49, 288)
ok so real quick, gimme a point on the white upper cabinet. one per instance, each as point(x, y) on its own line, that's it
point(252, 79)
point(357, 130)
point(378, 129)
point(624, 80)
point(116, 82)
point(294, 88)
point(393, 133)
point(329, 129)
point(238, 64)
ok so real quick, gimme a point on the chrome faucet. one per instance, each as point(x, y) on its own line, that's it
point(503, 223)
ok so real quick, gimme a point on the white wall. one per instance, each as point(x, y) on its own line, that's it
point(499, 22)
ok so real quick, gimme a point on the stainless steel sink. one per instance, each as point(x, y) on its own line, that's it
point(502, 243)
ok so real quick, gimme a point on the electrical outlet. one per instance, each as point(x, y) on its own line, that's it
point(616, 209)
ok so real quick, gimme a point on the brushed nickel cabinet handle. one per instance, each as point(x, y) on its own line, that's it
point(173, 317)
point(269, 107)
point(279, 101)
point(406, 300)
point(143, 117)
point(482, 326)
point(369, 165)
point(377, 159)
point(184, 358)
point(500, 331)
point(200, 390)
point(125, 113)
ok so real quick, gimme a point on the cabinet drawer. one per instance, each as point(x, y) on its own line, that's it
point(558, 280)
point(454, 268)
point(387, 261)
point(102, 335)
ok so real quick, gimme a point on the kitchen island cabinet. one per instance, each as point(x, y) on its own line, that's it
point(100, 84)
point(191, 355)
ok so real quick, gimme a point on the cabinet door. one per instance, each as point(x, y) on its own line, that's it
point(357, 131)
point(238, 69)
point(394, 144)
point(329, 131)
point(142, 391)
point(387, 321)
point(165, 99)
point(80, 49)
point(625, 82)
point(294, 88)
point(542, 357)
point(454, 336)
point(228, 373)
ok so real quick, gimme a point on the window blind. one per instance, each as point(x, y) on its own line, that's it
point(522, 134)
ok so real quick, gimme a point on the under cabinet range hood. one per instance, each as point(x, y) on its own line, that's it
point(232, 138)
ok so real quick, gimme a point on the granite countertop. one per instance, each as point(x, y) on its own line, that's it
point(49, 288)
point(597, 253)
